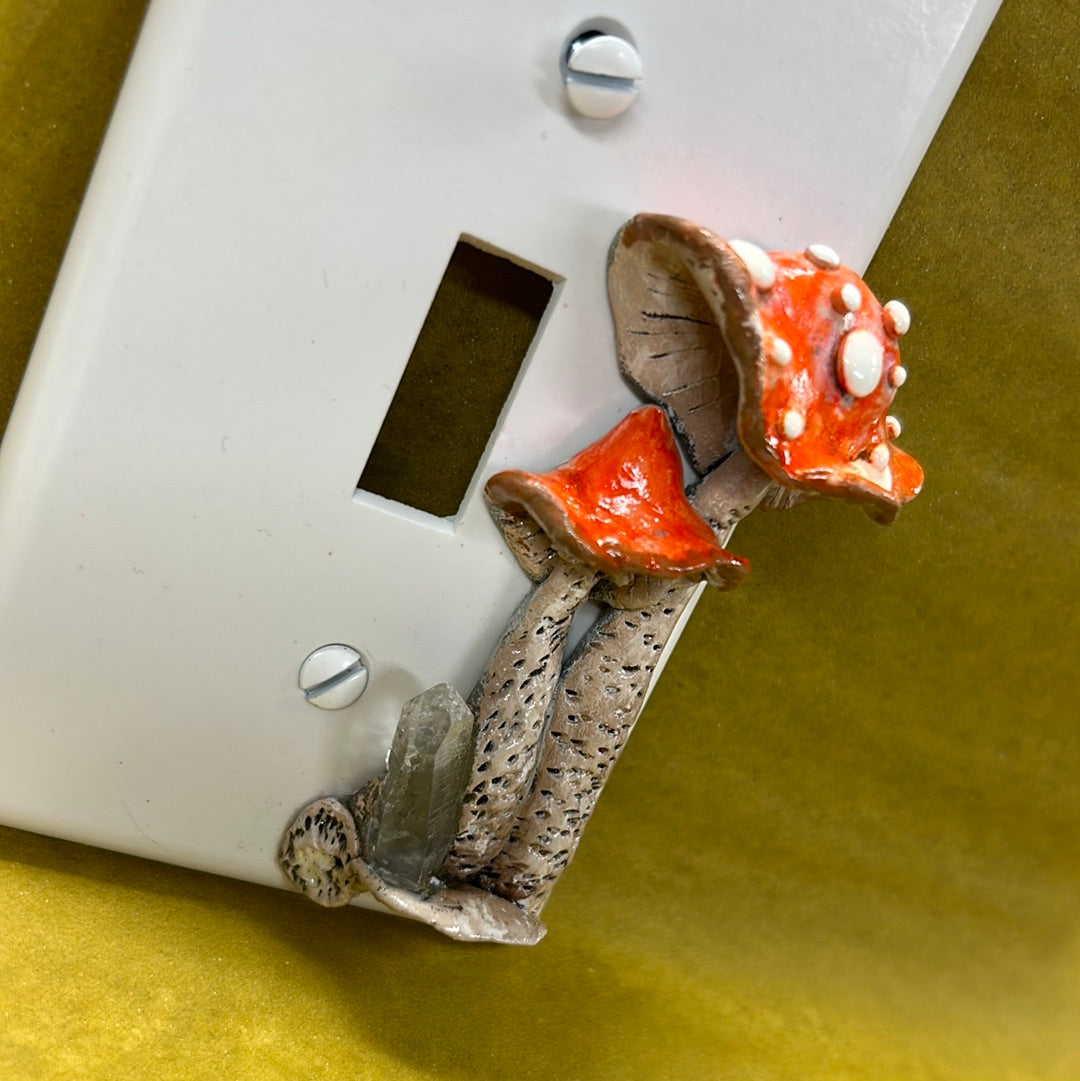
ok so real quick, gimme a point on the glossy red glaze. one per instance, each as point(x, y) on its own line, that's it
point(697, 322)
point(619, 506)
point(834, 452)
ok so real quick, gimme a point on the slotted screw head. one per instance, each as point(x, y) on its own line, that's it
point(602, 73)
point(333, 676)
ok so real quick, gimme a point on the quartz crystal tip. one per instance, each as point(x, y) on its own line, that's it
point(416, 812)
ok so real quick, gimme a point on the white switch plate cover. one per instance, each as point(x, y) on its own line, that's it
point(277, 198)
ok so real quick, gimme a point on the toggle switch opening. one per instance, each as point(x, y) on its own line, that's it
point(466, 360)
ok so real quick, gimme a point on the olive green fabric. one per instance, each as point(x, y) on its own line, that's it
point(61, 62)
point(844, 842)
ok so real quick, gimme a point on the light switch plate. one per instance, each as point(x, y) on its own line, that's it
point(279, 192)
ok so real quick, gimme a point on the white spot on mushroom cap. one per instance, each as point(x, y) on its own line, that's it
point(880, 478)
point(823, 256)
point(898, 376)
point(793, 424)
point(862, 359)
point(893, 427)
point(779, 351)
point(847, 298)
point(897, 318)
point(879, 456)
point(761, 268)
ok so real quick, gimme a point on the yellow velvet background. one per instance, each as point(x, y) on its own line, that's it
point(844, 842)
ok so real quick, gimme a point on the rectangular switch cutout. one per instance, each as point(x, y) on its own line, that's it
point(466, 359)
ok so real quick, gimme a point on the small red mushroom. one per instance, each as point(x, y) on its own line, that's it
point(619, 506)
point(615, 511)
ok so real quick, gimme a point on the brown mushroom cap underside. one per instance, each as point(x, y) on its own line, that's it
point(758, 358)
point(681, 300)
point(619, 506)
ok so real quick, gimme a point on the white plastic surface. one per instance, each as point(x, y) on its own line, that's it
point(278, 195)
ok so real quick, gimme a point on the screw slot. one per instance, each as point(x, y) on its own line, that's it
point(601, 69)
point(333, 676)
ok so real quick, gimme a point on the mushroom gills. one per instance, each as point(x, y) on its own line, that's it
point(318, 852)
point(670, 342)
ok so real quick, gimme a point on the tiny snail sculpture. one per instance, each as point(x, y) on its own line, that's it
point(775, 371)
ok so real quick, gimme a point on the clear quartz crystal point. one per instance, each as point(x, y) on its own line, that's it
point(416, 813)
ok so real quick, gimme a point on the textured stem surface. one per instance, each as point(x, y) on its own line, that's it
point(599, 700)
point(511, 704)
point(597, 703)
point(730, 492)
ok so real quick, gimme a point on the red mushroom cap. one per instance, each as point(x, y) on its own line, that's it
point(619, 506)
point(789, 355)
point(815, 402)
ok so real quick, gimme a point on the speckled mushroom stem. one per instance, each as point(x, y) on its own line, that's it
point(598, 702)
point(596, 706)
point(511, 704)
point(730, 492)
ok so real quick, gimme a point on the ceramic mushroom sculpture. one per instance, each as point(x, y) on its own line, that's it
point(777, 371)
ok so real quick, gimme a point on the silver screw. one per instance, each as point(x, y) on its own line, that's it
point(602, 72)
point(333, 677)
